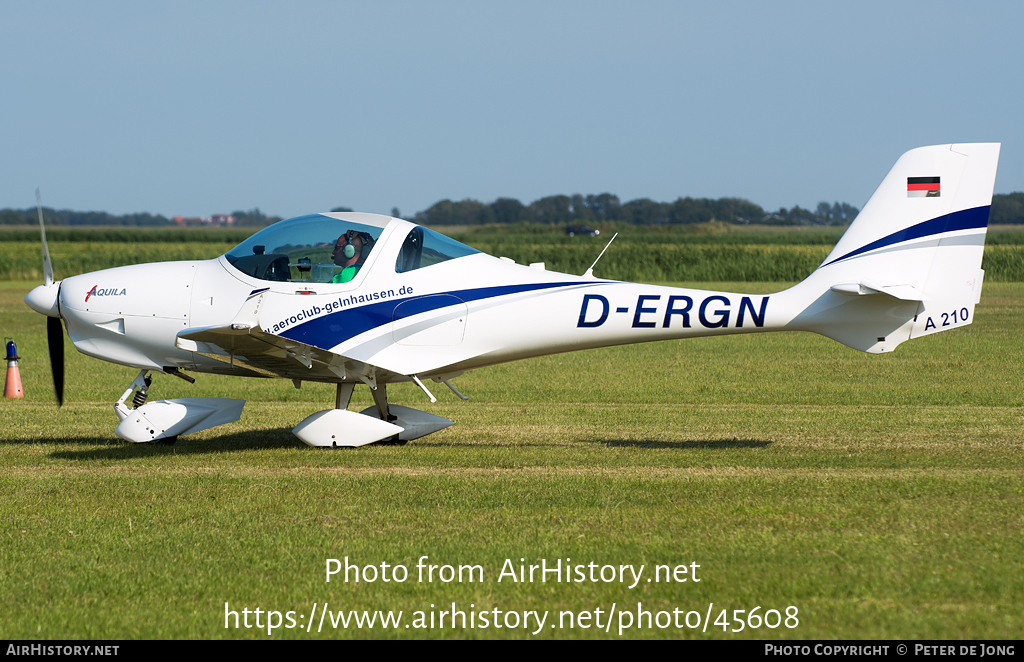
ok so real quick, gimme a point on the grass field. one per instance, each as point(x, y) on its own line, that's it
point(882, 497)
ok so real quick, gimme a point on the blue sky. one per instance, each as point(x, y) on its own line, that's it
point(197, 108)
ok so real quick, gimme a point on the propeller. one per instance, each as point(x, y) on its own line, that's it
point(55, 341)
point(54, 331)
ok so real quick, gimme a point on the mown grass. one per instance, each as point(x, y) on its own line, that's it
point(882, 496)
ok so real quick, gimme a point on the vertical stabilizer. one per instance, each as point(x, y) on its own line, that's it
point(910, 264)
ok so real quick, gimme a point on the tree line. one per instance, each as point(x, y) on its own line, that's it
point(251, 218)
point(1007, 209)
point(565, 209)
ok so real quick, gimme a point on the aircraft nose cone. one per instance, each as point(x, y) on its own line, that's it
point(43, 299)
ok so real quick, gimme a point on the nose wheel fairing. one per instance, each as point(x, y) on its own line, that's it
point(167, 419)
point(148, 422)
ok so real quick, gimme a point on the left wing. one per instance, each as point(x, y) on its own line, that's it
point(269, 355)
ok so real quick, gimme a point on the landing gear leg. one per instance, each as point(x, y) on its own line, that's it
point(380, 398)
point(141, 382)
point(343, 396)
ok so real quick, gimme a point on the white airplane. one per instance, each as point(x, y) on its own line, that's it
point(351, 298)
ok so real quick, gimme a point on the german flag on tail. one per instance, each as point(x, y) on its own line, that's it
point(923, 187)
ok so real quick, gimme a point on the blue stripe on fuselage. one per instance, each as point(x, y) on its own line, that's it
point(967, 219)
point(335, 328)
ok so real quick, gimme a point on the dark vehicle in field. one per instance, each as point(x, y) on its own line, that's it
point(582, 230)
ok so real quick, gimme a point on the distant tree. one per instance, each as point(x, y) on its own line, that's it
point(463, 212)
point(736, 210)
point(13, 217)
point(508, 210)
point(439, 213)
point(795, 216)
point(70, 217)
point(341, 209)
point(552, 209)
point(395, 213)
point(254, 217)
point(801, 216)
point(579, 210)
point(1007, 208)
point(691, 210)
point(605, 207)
point(473, 212)
point(836, 215)
point(644, 211)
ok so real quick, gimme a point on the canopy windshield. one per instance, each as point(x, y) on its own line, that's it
point(314, 248)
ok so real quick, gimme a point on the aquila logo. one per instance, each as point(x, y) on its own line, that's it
point(112, 292)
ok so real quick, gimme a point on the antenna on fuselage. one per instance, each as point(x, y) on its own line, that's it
point(590, 272)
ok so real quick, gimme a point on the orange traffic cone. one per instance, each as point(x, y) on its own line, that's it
point(12, 387)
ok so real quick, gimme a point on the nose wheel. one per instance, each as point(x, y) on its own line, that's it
point(163, 421)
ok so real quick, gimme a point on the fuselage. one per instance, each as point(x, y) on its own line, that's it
point(468, 312)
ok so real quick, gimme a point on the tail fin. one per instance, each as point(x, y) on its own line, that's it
point(910, 264)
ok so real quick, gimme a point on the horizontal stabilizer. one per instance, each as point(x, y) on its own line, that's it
point(904, 292)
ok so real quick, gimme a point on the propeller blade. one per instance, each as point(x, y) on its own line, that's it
point(55, 341)
point(47, 265)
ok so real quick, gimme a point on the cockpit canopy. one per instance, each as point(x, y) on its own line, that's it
point(322, 248)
